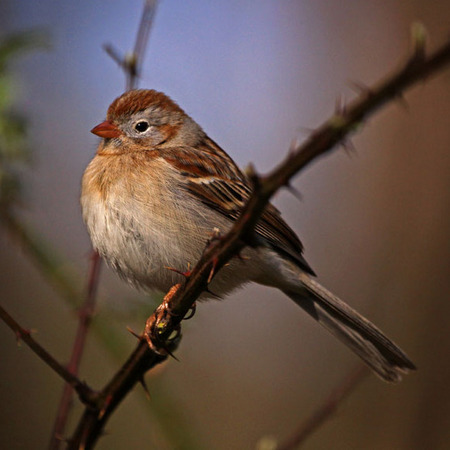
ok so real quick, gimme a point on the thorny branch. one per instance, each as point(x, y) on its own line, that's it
point(85, 316)
point(167, 318)
point(333, 132)
point(85, 393)
point(326, 409)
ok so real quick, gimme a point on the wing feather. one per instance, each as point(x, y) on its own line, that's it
point(220, 184)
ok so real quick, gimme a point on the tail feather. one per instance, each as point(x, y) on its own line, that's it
point(361, 336)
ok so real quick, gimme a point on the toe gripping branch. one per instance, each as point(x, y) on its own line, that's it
point(163, 329)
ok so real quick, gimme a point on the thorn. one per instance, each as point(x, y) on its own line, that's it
point(144, 385)
point(24, 332)
point(212, 272)
point(171, 354)
point(293, 147)
point(114, 54)
point(402, 101)
point(185, 274)
point(360, 88)
point(294, 191)
point(349, 147)
point(137, 336)
point(340, 107)
point(173, 339)
point(159, 348)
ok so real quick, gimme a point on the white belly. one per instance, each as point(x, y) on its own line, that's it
point(142, 247)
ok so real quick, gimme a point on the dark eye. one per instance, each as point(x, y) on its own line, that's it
point(141, 126)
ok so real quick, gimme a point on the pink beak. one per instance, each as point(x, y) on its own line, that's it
point(106, 130)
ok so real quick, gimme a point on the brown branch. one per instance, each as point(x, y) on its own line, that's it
point(326, 409)
point(168, 316)
point(85, 316)
point(333, 132)
point(86, 394)
point(93, 420)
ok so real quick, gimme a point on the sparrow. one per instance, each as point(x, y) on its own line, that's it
point(157, 188)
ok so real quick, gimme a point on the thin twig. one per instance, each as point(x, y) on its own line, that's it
point(87, 395)
point(141, 42)
point(85, 317)
point(326, 409)
point(331, 133)
point(131, 63)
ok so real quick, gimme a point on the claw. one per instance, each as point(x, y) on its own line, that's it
point(213, 294)
point(191, 312)
point(157, 325)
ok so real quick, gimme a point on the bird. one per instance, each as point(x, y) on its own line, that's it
point(156, 189)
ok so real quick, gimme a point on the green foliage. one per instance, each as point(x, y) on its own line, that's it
point(14, 149)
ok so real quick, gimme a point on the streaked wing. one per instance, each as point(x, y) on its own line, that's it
point(220, 184)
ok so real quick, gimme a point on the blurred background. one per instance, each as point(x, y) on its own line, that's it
point(375, 223)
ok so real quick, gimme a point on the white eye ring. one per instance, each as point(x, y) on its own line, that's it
point(142, 126)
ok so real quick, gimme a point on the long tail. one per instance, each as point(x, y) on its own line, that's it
point(367, 341)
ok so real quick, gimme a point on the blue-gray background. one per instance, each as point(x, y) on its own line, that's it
point(374, 223)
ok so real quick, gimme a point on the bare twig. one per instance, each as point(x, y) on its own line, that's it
point(326, 409)
point(93, 421)
point(141, 42)
point(87, 395)
point(165, 320)
point(85, 317)
point(131, 63)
